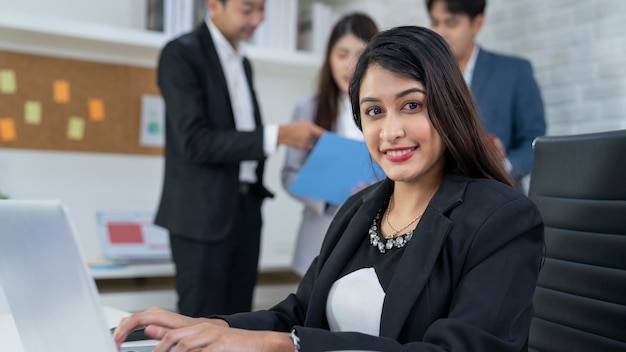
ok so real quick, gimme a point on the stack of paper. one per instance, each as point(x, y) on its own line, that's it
point(278, 30)
point(315, 23)
point(174, 17)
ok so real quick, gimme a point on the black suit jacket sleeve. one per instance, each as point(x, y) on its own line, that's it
point(193, 85)
point(465, 283)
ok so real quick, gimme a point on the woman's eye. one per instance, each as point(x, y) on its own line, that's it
point(413, 105)
point(373, 111)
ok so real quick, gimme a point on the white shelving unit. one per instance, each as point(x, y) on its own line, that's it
point(99, 42)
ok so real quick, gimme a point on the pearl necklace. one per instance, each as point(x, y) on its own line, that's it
point(386, 244)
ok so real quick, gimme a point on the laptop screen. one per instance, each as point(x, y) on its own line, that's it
point(51, 296)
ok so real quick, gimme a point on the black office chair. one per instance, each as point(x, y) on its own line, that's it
point(579, 184)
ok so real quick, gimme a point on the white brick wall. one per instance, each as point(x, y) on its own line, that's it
point(577, 47)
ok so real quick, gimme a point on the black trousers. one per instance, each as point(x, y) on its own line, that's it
point(219, 277)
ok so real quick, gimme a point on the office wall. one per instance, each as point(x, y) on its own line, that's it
point(577, 48)
point(120, 13)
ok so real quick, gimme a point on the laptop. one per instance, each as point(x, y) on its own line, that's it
point(52, 297)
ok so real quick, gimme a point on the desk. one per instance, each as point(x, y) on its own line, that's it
point(10, 340)
point(136, 287)
point(133, 271)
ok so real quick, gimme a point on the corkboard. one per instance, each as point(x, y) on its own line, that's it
point(118, 87)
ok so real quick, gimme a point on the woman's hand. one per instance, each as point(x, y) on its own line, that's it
point(362, 185)
point(157, 322)
point(179, 333)
point(208, 336)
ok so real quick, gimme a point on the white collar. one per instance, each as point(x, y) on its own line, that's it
point(222, 45)
point(471, 64)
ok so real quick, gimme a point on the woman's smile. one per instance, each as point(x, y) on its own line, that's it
point(399, 154)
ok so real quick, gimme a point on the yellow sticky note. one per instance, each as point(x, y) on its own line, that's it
point(7, 130)
point(32, 112)
point(61, 91)
point(8, 83)
point(76, 128)
point(96, 109)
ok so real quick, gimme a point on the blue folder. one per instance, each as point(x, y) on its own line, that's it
point(335, 168)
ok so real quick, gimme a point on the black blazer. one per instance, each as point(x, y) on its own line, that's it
point(203, 149)
point(465, 282)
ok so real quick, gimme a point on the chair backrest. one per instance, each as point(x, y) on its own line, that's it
point(579, 184)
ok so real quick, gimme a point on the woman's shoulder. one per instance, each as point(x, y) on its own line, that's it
point(305, 108)
point(308, 103)
point(485, 198)
point(482, 188)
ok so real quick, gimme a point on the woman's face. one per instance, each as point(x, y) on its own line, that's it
point(343, 57)
point(397, 128)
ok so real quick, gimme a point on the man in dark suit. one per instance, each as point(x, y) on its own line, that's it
point(507, 96)
point(215, 149)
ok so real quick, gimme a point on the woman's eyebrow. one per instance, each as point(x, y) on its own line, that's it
point(409, 91)
point(368, 99)
point(399, 95)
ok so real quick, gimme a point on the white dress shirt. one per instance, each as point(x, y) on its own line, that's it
point(231, 60)
point(345, 126)
point(469, 68)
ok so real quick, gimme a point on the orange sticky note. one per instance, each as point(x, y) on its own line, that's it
point(7, 130)
point(76, 128)
point(96, 109)
point(61, 91)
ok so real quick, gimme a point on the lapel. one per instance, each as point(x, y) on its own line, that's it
point(481, 72)
point(248, 70)
point(216, 72)
point(358, 220)
point(420, 256)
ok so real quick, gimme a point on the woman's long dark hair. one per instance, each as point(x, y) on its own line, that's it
point(421, 54)
point(362, 27)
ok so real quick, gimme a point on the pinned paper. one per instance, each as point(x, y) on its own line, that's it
point(61, 91)
point(7, 130)
point(8, 83)
point(96, 109)
point(152, 132)
point(76, 128)
point(32, 112)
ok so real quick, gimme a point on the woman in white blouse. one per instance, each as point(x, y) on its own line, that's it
point(330, 109)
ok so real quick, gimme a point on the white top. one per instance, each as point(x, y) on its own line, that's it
point(231, 60)
point(469, 68)
point(355, 303)
point(345, 125)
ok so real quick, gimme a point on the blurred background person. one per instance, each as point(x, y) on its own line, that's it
point(215, 150)
point(504, 88)
point(330, 109)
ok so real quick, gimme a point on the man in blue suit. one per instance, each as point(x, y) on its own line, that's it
point(507, 96)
